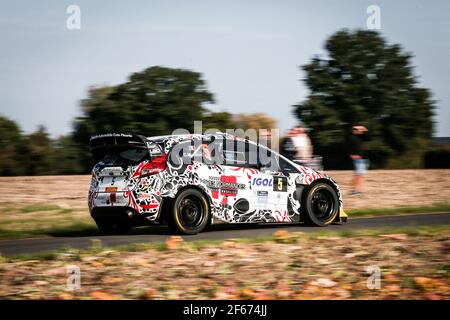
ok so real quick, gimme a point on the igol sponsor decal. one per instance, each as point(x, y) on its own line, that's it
point(262, 183)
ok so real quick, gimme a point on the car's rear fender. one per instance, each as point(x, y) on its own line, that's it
point(166, 201)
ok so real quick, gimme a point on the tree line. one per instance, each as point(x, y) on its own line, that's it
point(36, 153)
point(362, 80)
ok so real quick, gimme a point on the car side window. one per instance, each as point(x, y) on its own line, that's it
point(209, 152)
point(239, 154)
point(286, 167)
point(273, 162)
point(180, 153)
point(267, 160)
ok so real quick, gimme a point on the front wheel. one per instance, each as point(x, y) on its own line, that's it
point(321, 205)
point(188, 212)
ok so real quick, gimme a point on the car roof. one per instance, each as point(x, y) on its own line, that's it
point(182, 137)
point(185, 137)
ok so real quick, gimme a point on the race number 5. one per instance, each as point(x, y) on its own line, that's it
point(280, 184)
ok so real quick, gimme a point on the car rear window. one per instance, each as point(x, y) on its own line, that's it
point(124, 156)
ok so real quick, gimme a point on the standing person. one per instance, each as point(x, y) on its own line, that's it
point(357, 155)
point(287, 145)
point(303, 145)
point(265, 137)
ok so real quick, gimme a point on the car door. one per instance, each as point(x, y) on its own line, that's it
point(262, 193)
point(239, 168)
point(293, 188)
point(271, 188)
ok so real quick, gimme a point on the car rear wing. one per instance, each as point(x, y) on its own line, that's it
point(100, 144)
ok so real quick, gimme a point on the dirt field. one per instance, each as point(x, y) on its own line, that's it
point(383, 189)
point(397, 188)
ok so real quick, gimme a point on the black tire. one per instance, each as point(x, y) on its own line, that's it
point(113, 226)
point(188, 213)
point(320, 205)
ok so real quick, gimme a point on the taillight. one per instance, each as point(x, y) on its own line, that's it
point(156, 165)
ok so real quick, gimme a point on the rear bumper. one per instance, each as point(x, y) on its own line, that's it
point(121, 214)
point(98, 213)
point(143, 204)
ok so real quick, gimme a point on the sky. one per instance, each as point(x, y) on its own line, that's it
point(249, 52)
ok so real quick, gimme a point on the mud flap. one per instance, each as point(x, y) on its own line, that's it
point(341, 218)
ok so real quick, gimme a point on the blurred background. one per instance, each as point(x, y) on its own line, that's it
point(73, 69)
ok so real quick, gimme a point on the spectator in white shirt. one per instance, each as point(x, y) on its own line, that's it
point(302, 144)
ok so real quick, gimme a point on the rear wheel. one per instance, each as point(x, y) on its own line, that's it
point(189, 212)
point(321, 205)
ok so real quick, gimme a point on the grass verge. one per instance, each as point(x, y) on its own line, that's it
point(438, 207)
point(66, 228)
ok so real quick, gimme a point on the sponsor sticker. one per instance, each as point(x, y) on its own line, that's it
point(227, 185)
point(262, 183)
point(107, 199)
point(262, 196)
point(143, 196)
point(107, 135)
point(111, 171)
point(154, 150)
point(279, 198)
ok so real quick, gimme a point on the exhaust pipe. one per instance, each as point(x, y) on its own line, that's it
point(129, 213)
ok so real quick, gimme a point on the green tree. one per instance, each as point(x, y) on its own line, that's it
point(11, 141)
point(65, 156)
point(218, 120)
point(255, 121)
point(84, 126)
point(364, 80)
point(37, 153)
point(152, 102)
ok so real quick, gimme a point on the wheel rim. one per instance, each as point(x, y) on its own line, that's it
point(191, 212)
point(323, 206)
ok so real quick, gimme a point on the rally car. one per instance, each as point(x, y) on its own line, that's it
point(188, 181)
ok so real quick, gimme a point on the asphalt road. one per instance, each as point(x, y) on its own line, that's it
point(215, 232)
